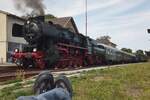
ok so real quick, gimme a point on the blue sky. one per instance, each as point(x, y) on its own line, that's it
point(125, 21)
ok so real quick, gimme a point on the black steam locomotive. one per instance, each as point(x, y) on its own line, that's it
point(50, 45)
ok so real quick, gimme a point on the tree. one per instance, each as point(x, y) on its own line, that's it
point(103, 39)
point(49, 16)
point(141, 56)
point(127, 50)
point(140, 52)
point(106, 40)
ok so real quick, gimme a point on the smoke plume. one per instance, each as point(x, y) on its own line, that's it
point(34, 7)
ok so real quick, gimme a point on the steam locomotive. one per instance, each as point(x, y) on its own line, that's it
point(50, 45)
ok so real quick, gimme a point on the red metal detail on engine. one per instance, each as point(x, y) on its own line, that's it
point(63, 50)
point(40, 63)
point(36, 56)
point(90, 60)
point(18, 55)
point(39, 58)
point(71, 55)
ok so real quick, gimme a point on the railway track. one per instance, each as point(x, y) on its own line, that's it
point(11, 73)
point(8, 69)
point(17, 75)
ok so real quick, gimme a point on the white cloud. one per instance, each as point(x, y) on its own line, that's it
point(127, 31)
point(76, 7)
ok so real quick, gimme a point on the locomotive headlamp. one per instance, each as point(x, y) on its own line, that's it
point(16, 50)
point(28, 22)
point(35, 50)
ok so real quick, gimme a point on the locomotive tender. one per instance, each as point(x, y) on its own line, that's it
point(50, 45)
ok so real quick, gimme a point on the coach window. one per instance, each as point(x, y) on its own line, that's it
point(17, 30)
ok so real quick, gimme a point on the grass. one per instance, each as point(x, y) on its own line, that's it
point(10, 81)
point(12, 92)
point(129, 82)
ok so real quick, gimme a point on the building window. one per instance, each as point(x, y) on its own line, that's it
point(17, 30)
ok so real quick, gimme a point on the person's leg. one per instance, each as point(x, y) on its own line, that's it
point(55, 94)
point(27, 98)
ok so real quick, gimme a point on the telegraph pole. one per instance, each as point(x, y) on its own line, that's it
point(86, 18)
